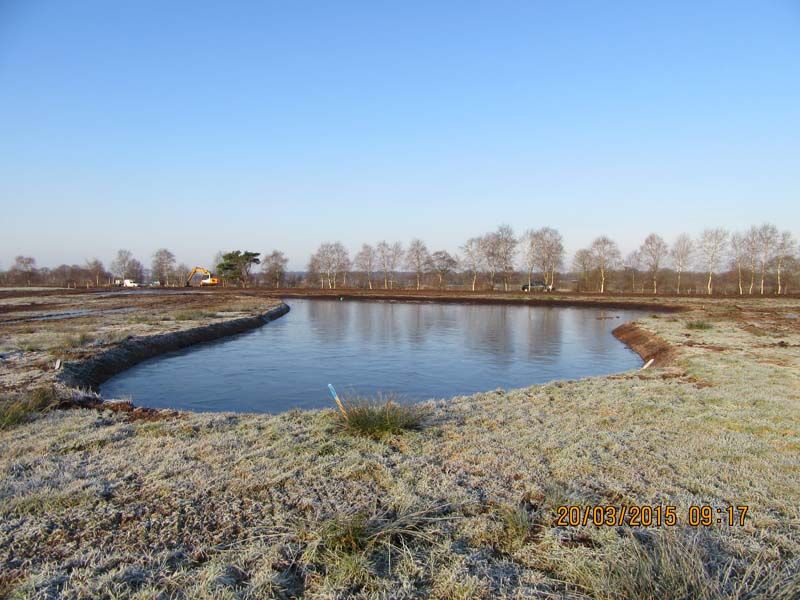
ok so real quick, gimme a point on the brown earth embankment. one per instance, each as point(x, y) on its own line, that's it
point(646, 344)
point(88, 374)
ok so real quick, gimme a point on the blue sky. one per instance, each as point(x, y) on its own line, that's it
point(202, 126)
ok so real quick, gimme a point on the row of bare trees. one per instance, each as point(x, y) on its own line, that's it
point(759, 260)
point(753, 255)
point(500, 254)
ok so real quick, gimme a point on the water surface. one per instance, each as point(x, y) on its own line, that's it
point(418, 350)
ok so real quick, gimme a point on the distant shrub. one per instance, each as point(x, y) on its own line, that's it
point(16, 409)
point(699, 325)
point(379, 418)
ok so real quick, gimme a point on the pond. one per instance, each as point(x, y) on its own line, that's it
point(414, 350)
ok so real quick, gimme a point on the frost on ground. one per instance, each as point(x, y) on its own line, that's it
point(95, 504)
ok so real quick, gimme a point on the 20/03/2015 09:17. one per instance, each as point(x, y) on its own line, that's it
point(606, 515)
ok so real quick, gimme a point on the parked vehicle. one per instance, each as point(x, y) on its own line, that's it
point(129, 283)
point(537, 286)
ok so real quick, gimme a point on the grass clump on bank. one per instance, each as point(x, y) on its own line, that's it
point(76, 341)
point(16, 409)
point(350, 552)
point(194, 315)
point(701, 325)
point(378, 418)
point(675, 565)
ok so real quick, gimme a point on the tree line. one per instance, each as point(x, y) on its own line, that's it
point(759, 260)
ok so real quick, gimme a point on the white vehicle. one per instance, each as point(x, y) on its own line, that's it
point(129, 283)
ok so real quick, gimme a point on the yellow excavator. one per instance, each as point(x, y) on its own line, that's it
point(209, 279)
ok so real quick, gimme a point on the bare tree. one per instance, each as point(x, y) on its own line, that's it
point(784, 251)
point(389, 257)
point(583, 263)
point(274, 266)
point(605, 255)
point(163, 263)
point(473, 258)
point(341, 262)
point(365, 261)
point(417, 259)
point(96, 270)
point(681, 254)
point(384, 253)
point(767, 240)
point(322, 263)
point(181, 272)
point(654, 250)
point(492, 258)
point(121, 264)
point(711, 248)
point(752, 249)
point(395, 260)
point(24, 267)
point(442, 263)
point(739, 256)
point(332, 259)
point(633, 263)
point(136, 270)
point(543, 250)
point(553, 253)
point(530, 253)
point(506, 246)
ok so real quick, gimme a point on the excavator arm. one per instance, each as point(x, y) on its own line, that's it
point(194, 272)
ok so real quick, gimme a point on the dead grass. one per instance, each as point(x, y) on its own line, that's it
point(19, 408)
point(378, 418)
point(669, 565)
point(75, 341)
point(194, 315)
point(700, 325)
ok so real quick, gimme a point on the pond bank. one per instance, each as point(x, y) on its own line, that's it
point(91, 372)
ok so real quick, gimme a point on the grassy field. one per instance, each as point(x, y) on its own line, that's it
point(464, 504)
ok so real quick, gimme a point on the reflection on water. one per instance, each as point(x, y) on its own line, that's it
point(413, 349)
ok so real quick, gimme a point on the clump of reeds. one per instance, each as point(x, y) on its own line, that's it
point(379, 417)
point(703, 325)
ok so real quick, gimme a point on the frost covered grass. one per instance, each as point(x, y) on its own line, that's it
point(95, 504)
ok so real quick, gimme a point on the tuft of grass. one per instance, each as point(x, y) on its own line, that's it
point(194, 315)
point(76, 341)
point(675, 566)
point(347, 534)
point(518, 525)
point(360, 533)
point(18, 409)
point(189, 315)
point(703, 325)
point(378, 418)
point(347, 551)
